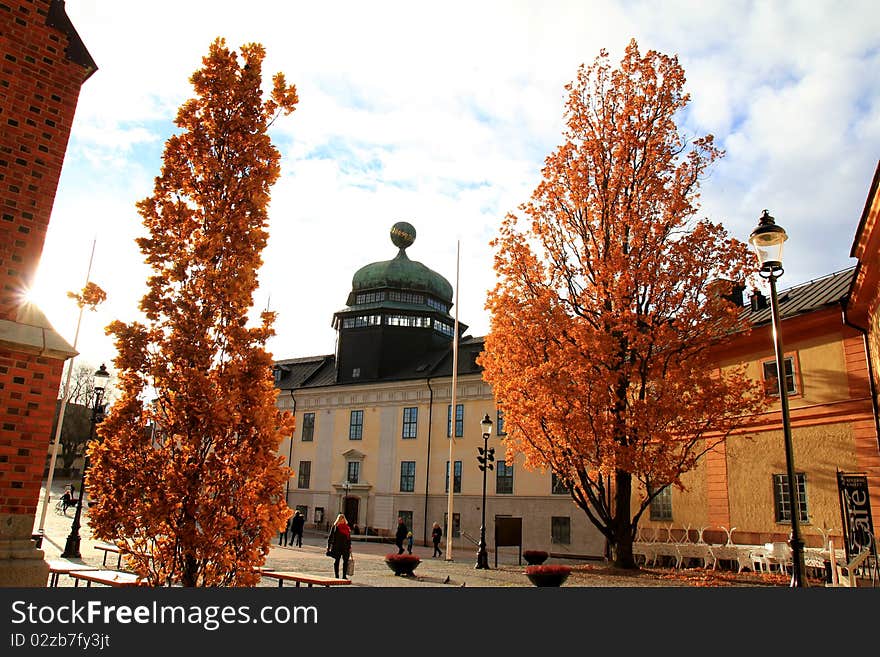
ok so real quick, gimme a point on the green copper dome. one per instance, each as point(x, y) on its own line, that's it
point(402, 273)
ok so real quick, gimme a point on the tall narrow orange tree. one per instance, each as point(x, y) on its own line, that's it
point(605, 313)
point(186, 472)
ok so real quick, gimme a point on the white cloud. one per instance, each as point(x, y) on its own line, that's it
point(442, 115)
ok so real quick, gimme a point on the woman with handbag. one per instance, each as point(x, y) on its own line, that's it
point(339, 545)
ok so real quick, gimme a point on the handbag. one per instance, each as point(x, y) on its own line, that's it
point(350, 570)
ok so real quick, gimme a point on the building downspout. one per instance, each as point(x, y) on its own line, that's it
point(428, 460)
point(873, 387)
point(290, 453)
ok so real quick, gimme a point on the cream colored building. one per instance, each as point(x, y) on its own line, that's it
point(372, 422)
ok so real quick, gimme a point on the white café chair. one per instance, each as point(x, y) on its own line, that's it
point(758, 560)
point(779, 556)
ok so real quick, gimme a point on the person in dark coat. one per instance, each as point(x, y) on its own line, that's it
point(282, 535)
point(436, 534)
point(296, 529)
point(339, 545)
point(400, 536)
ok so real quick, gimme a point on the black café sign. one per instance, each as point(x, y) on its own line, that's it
point(855, 509)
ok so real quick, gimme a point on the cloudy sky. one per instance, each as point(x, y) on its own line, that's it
point(441, 114)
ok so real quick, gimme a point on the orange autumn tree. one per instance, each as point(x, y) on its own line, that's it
point(605, 314)
point(190, 484)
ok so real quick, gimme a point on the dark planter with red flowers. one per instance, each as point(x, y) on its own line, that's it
point(547, 575)
point(402, 564)
point(535, 557)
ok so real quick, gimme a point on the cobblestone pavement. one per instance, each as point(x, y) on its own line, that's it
point(370, 568)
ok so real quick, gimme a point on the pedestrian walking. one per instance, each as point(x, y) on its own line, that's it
point(409, 542)
point(339, 545)
point(436, 534)
point(296, 528)
point(400, 536)
point(282, 535)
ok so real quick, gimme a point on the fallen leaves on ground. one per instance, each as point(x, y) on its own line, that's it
point(697, 577)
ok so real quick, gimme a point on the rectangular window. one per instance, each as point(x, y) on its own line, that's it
point(456, 482)
point(504, 478)
point(407, 476)
point(560, 530)
point(661, 506)
point(308, 432)
point(771, 383)
point(459, 420)
point(781, 500)
point(410, 422)
point(456, 525)
point(303, 510)
point(557, 486)
point(305, 474)
point(499, 423)
point(356, 425)
point(353, 472)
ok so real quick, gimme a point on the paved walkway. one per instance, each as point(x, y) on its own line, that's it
point(370, 568)
point(371, 571)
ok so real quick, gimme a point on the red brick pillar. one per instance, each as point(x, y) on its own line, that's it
point(43, 64)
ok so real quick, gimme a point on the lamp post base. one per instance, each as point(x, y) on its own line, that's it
point(798, 579)
point(71, 548)
point(482, 555)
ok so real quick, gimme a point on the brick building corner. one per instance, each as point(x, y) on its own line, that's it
point(43, 64)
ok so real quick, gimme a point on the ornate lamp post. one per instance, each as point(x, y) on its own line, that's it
point(484, 458)
point(767, 240)
point(71, 547)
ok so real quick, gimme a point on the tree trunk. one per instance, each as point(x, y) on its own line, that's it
point(190, 574)
point(623, 544)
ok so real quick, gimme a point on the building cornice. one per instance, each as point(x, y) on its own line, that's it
point(393, 393)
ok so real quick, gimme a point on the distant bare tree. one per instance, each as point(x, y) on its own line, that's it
point(77, 414)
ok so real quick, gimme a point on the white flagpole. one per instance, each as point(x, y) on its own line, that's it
point(451, 415)
point(47, 497)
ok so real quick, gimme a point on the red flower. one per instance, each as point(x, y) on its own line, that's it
point(548, 570)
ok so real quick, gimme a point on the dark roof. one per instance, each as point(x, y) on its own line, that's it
point(306, 372)
point(807, 297)
point(318, 371)
point(76, 50)
point(438, 363)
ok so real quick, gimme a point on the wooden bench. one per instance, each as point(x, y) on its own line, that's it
point(58, 567)
point(116, 578)
point(303, 578)
point(107, 548)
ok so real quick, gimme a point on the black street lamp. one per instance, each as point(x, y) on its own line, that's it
point(767, 240)
point(71, 547)
point(484, 458)
point(346, 485)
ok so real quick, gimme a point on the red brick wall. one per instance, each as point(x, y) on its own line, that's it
point(39, 90)
point(28, 387)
